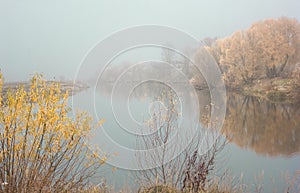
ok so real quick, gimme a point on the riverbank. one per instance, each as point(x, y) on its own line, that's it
point(70, 86)
point(276, 90)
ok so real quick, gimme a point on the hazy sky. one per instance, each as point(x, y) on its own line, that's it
point(53, 36)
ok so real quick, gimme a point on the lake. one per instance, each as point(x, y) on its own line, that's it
point(263, 138)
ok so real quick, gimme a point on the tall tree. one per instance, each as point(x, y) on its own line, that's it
point(277, 43)
point(269, 48)
point(238, 58)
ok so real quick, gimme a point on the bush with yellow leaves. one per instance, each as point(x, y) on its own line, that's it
point(42, 149)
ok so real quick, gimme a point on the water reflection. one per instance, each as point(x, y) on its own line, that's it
point(267, 128)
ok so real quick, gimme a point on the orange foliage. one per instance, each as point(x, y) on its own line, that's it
point(269, 48)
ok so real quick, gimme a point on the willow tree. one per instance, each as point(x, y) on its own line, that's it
point(42, 149)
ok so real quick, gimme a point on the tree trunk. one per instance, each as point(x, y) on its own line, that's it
point(282, 66)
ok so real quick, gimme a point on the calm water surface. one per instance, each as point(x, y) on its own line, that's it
point(264, 138)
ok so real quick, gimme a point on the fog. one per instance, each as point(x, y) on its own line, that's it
point(53, 37)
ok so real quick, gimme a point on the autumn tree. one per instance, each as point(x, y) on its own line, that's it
point(277, 44)
point(42, 149)
point(239, 56)
point(269, 48)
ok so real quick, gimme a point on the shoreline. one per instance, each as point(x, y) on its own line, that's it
point(276, 90)
point(70, 86)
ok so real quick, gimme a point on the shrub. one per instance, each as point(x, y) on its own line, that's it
point(42, 149)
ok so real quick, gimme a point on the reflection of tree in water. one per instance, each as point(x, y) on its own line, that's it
point(147, 90)
point(267, 128)
point(204, 107)
point(143, 91)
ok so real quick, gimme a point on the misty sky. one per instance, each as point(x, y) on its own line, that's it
point(52, 37)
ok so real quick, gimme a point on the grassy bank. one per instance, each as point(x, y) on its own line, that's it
point(278, 90)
